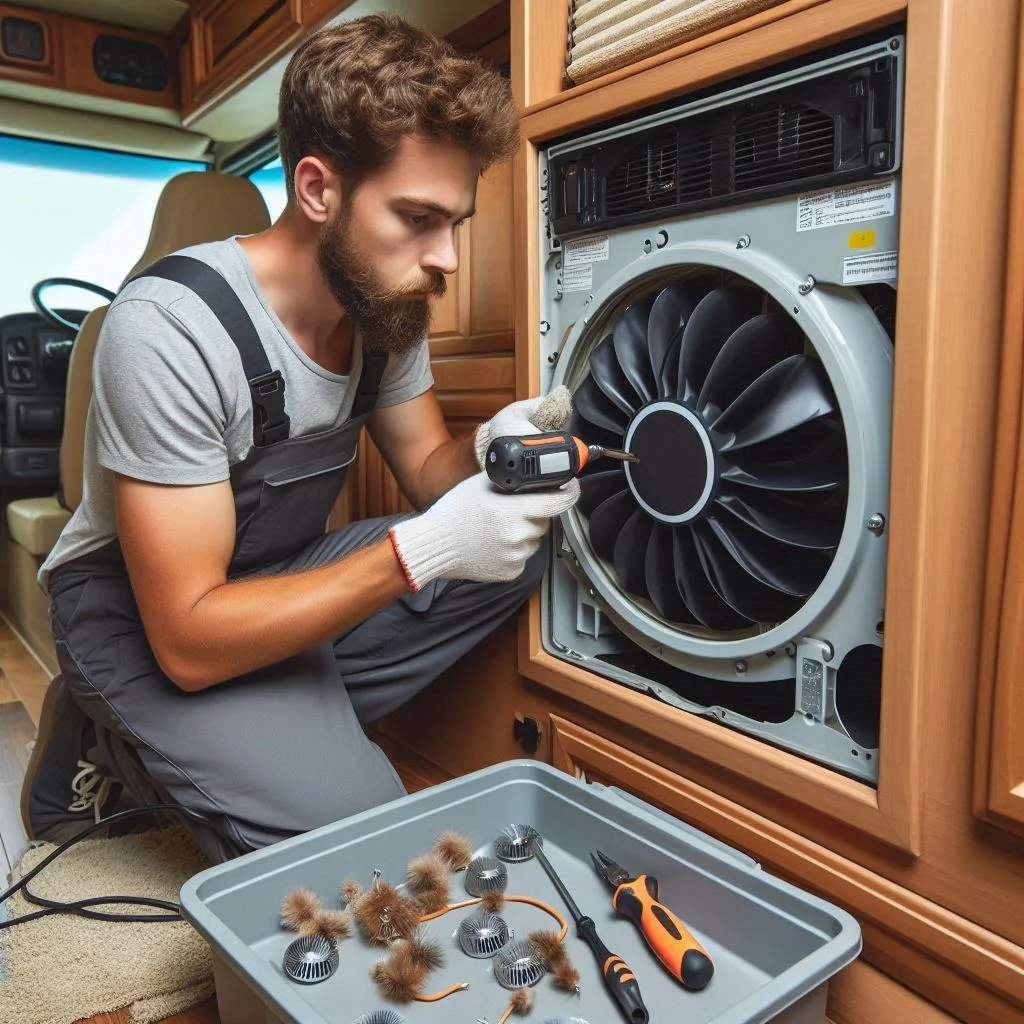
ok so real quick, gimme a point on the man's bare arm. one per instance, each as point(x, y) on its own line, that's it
point(416, 444)
point(177, 544)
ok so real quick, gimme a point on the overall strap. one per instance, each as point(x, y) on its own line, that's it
point(270, 422)
point(369, 383)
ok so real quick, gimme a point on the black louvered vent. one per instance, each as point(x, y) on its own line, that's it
point(787, 143)
point(645, 179)
point(840, 127)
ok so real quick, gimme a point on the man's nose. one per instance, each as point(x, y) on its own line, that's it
point(442, 255)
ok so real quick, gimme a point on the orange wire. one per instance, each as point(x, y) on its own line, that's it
point(509, 899)
point(444, 993)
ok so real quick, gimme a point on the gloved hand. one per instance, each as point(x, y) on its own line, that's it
point(474, 532)
point(530, 416)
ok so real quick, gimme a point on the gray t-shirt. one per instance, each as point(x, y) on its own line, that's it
point(171, 403)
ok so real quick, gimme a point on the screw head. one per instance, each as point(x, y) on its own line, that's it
point(741, 666)
point(790, 649)
point(806, 286)
point(743, 242)
point(876, 523)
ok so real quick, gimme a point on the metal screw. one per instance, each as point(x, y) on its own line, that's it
point(647, 245)
point(876, 523)
point(790, 649)
point(828, 652)
point(544, 327)
point(662, 239)
point(744, 241)
point(807, 285)
point(741, 666)
point(552, 359)
point(894, 44)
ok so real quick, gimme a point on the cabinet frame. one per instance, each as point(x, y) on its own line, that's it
point(917, 646)
point(999, 764)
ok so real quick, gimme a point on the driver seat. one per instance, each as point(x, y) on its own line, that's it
point(194, 207)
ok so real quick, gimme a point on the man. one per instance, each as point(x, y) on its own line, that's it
point(223, 649)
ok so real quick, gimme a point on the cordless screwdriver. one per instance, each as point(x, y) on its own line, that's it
point(539, 462)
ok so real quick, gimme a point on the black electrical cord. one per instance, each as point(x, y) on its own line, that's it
point(81, 907)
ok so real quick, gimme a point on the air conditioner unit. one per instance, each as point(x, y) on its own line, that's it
point(718, 292)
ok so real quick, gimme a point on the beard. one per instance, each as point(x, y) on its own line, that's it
point(389, 322)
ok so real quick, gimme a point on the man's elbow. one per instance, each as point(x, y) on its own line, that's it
point(183, 668)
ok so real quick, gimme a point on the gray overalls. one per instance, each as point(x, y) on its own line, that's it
point(280, 750)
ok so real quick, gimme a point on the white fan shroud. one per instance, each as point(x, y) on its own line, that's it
point(857, 357)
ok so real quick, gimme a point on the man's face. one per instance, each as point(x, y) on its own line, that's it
point(385, 252)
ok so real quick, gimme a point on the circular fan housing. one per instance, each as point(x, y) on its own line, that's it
point(740, 401)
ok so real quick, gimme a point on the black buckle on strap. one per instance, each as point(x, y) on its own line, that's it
point(270, 423)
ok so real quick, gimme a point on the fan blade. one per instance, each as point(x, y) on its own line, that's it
point(630, 553)
point(715, 318)
point(692, 579)
point(661, 578)
point(672, 308)
point(743, 593)
point(794, 571)
point(607, 520)
point(599, 487)
point(752, 348)
point(816, 525)
point(609, 377)
point(591, 404)
point(629, 339)
point(819, 471)
point(790, 394)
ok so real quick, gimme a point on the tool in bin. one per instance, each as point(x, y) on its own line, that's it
point(618, 976)
point(636, 897)
point(540, 462)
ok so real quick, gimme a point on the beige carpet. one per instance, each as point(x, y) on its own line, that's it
point(64, 967)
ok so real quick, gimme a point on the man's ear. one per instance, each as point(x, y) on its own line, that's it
point(317, 189)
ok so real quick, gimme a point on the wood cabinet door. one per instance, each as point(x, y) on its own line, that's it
point(999, 764)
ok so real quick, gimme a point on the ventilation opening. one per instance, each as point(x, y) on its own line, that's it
point(770, 701)
point(859, 694)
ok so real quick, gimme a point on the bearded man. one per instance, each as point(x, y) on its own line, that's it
point(219, 650)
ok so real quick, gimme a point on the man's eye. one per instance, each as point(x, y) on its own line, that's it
point(418, 219)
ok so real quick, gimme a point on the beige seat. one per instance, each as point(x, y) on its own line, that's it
point(198, 206)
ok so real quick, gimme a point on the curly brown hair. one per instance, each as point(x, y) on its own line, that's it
point(352, 92)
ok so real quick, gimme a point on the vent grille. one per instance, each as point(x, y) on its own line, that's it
point(786, 143)
point(827, 130)
point(645, 179)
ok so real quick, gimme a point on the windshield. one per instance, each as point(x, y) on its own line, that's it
point(71, 211)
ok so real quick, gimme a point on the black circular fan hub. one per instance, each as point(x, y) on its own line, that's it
point(674, 477)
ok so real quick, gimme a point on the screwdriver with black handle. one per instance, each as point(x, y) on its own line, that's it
point(618, 975)
point(540, 462)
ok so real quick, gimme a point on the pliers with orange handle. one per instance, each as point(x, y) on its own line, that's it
point(636, 897)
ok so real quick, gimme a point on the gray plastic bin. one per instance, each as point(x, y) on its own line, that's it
point(774, 946)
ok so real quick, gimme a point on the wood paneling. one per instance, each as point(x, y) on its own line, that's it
point(999, 758)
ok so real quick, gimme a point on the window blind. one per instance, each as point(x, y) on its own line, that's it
point(605, 35)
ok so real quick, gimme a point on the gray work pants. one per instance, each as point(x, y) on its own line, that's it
point(280, 750)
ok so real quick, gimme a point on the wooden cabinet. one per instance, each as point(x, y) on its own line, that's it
point(938, 895)
point(91, 58)
point(999, 782)
point(231, 42)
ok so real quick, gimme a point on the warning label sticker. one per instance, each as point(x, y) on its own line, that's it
point(872, 266)
point(578, 251)
point(578, 279)
point(847, 205)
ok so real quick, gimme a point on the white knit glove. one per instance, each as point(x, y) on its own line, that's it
point(475, 532)
point(530, 416)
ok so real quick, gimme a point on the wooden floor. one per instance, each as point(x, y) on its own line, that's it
point(23, 682)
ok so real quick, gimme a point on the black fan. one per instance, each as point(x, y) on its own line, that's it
point(732, 515)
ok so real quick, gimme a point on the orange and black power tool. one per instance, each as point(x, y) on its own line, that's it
point(540, 462)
